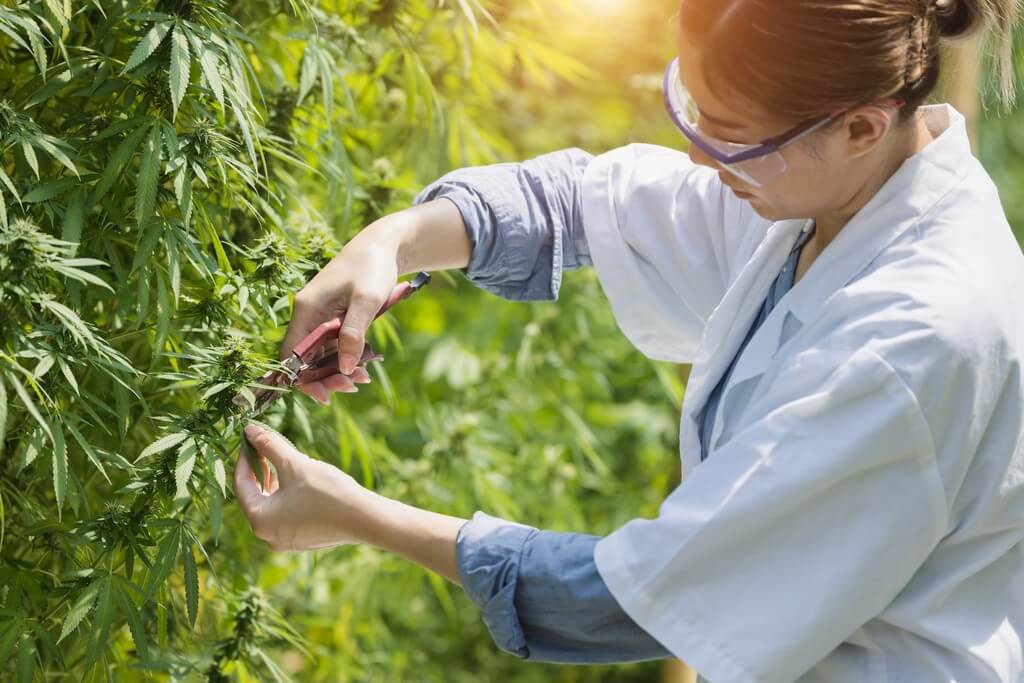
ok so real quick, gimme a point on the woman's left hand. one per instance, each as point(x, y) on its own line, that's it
point(307, 504)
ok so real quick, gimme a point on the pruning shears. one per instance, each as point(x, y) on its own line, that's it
point(313, 358)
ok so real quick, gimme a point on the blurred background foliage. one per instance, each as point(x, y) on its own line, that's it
point(172, 171)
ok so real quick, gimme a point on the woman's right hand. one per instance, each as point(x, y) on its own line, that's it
point(356, 282)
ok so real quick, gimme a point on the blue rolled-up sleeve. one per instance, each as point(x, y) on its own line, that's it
point(523, 220)
point(542, 598)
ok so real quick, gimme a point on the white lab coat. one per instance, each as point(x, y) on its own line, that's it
point(861, 514)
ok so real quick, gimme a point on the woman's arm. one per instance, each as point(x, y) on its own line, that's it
point(539, 592)
point(524, 222)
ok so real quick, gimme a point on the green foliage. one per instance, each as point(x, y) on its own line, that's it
point(171, 173)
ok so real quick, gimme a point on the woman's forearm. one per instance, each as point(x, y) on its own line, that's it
point(424, 537)
point(430, 236)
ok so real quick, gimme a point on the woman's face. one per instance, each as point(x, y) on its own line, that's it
point(822, 169)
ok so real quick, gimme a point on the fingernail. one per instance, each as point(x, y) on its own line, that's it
point(347, 363)
point(252, 429)
point(325, 402)
point(350, 390)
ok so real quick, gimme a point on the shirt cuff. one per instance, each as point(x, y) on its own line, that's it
point(508, 258)
point(489, 572)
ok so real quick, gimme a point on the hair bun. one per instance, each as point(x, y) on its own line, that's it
point(958, 18)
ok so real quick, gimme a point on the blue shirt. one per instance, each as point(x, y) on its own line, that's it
point(539, 592)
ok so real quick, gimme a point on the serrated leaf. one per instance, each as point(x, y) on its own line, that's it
point(87, 448)
point(191, 587)
point(211, 71)
point(134, 619)
point(215, 466)
point(60, 465)
point(69, 375)
point(74, 219)
point(57, 9)
point(123, 408)
point(149, 175)
point(54, 85)
point(166, 556)
point(146, 47)
point(326, 82)
point(30, 157)
point(80, 275)
point(163, 317)
point(33, 448)
point(215, 389)
point(183, 469)
point(183, 191)
point(117, 163)
point(43, 367)
point(173, 263)
point(38, 52)
point(309, 71)
point(81, 608)
point(162, 444)
point(240, 108)
point(147, 242)
point(52, 146)
point(180, 66)
point(30, 406)
point(49, 189)
point(98, 635)
point(72, 323)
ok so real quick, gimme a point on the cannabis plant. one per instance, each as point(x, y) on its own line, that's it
point(171, 173)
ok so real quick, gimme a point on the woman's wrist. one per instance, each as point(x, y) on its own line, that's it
point(425, 537)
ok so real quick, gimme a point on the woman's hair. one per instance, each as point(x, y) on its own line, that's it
point(803, 58)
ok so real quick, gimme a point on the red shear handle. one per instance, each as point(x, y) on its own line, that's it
point(329, 330)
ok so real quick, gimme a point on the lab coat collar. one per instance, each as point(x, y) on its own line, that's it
point(901, 202)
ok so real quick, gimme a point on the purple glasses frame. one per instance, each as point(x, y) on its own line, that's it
point(765, 147)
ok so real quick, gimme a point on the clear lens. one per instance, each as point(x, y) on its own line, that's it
point(758, 171)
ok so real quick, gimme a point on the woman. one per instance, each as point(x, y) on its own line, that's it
point(853, 430)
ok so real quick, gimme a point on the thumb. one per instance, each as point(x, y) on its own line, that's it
point(351, 337)
point(281, 452)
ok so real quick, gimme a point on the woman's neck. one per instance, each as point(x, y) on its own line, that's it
point(912, 140)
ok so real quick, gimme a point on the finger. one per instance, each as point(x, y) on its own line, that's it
point(361, 311)
point(361, 376)
point(281, 453)
point(340, 383)
point(247, 491)
point(305, 318)
point(316, 390)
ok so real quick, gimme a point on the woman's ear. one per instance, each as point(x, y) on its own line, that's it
point(865, 128)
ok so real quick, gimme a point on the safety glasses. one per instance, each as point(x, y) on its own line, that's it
point(758, 164)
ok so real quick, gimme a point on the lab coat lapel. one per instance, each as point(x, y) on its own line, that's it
point(728, 324)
